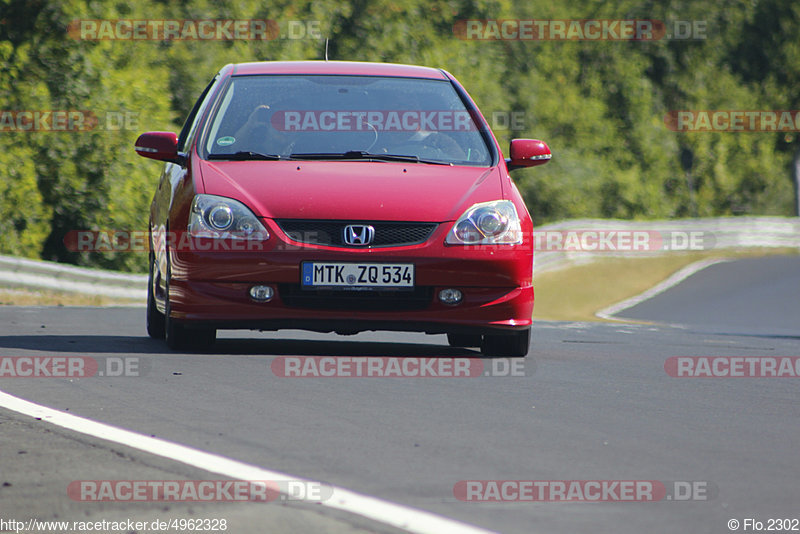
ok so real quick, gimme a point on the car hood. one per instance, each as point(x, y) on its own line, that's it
point(360, 190)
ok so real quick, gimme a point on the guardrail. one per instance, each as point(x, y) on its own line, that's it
point(716, 233)
point(19, 272)
point(664, 237)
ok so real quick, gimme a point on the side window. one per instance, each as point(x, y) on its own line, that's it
point(190, 126)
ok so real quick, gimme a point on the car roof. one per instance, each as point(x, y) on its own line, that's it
point(350, 68)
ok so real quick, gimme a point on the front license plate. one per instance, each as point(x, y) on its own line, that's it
point(357, 275)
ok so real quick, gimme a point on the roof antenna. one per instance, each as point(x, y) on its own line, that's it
point(326, 49)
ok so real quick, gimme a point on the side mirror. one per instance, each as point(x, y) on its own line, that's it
point(162, 146)
point(527, 153)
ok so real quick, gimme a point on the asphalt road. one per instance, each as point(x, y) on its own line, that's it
point(595, 404)
point(757, 296)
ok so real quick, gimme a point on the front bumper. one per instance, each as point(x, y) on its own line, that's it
point(210, 289)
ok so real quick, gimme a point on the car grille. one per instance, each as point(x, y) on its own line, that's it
point(294, 296)
point(331, 233)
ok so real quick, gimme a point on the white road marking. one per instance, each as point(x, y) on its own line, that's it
point(609, 312)
point(397, 515)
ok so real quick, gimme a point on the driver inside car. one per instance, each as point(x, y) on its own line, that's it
point(258, 134)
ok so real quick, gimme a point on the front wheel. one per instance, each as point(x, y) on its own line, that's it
point(155, 319)
point(515, 345)
point(178, 336)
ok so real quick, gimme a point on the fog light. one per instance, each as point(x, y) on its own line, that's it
point(450, 296)
point(261, 293)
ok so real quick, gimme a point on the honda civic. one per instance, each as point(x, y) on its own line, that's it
point(339, 197)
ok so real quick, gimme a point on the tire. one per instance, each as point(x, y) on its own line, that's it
point(155, 319)
point(180, 337)
point(514, 345)
point(464, 340)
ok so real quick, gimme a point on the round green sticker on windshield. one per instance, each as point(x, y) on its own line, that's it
point(225, 141)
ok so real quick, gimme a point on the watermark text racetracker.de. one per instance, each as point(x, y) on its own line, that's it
point(579, 29)
point(576, 240)
point(395, 367)
point(198, 490)
point(733, 366)
point(389, 120)
point(139, 241)
point(72, 366)
point(192, 29)
point(583, 491)
point(66, 120)
point(610, 240)
point(372, 120)
point(733, 120)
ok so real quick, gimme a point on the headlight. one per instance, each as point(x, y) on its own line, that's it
point(224, 218)
point(220, 217)
point(488, 223)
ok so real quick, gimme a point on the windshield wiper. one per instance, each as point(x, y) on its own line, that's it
point(245, 155)
point(362, 155)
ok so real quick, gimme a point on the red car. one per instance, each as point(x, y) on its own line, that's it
point(339, 197)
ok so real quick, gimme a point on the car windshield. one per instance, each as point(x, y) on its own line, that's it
point(367, 118)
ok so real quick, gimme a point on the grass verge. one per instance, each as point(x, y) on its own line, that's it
point(36, 297)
